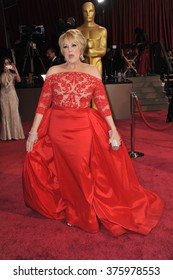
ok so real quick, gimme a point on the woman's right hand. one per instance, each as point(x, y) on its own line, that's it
point(32, 139)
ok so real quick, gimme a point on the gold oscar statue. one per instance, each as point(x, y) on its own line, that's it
point(96, 36)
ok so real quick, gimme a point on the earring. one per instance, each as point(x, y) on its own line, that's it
point(81, 57)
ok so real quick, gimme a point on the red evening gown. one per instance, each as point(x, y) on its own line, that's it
point(72, 173)
point(144, 62)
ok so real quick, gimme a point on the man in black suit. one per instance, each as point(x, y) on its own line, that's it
point(52, 56)
point(70, 24)
point(170, 111)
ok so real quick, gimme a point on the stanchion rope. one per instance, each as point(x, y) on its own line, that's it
point(144, 119)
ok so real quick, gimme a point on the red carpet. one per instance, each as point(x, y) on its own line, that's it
point(25, 234)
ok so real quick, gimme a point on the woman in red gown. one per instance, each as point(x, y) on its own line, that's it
point(71, 170)
point(142, 43)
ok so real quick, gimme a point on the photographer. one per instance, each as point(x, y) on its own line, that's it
point(11, 128)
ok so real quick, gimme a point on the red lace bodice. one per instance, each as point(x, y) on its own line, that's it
point(73, 90)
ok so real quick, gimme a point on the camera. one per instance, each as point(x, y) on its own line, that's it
point(9, 66)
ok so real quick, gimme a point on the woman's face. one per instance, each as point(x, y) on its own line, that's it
point(71, 50)
point(7, 62)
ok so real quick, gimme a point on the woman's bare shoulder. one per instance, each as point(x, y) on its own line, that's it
point(93, 70)
point(55, 69)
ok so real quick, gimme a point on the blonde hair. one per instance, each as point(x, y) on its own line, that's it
point(74, 34)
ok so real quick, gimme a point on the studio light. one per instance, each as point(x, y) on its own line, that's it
point(100, 1)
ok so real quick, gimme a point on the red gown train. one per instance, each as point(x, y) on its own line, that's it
point(73, 173)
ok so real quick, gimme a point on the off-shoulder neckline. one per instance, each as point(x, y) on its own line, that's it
point(73, 72)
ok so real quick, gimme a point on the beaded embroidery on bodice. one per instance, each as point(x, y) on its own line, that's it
point(7, 82)
point(73, 90)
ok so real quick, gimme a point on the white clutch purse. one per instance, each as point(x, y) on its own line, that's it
point(114, 143)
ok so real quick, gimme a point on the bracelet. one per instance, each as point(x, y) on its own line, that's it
point(32, 133)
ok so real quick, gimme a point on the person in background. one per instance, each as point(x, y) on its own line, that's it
point(168, 83)
point(70, 24)
point(170, 107)
point(52, 57)
point(170, 56)
point(142, 44)
point(165, 68)
point(11, 126)
point(118, 61)
point(169, 117)
point(77, 167)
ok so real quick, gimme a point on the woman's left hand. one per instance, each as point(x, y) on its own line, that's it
point(115, 139)
point(14, 67)
point(32, 139)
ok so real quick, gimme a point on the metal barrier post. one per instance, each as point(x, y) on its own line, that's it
point(132, 153)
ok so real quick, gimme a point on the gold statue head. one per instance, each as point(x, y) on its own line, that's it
point(76, 36)
point(88, 11)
